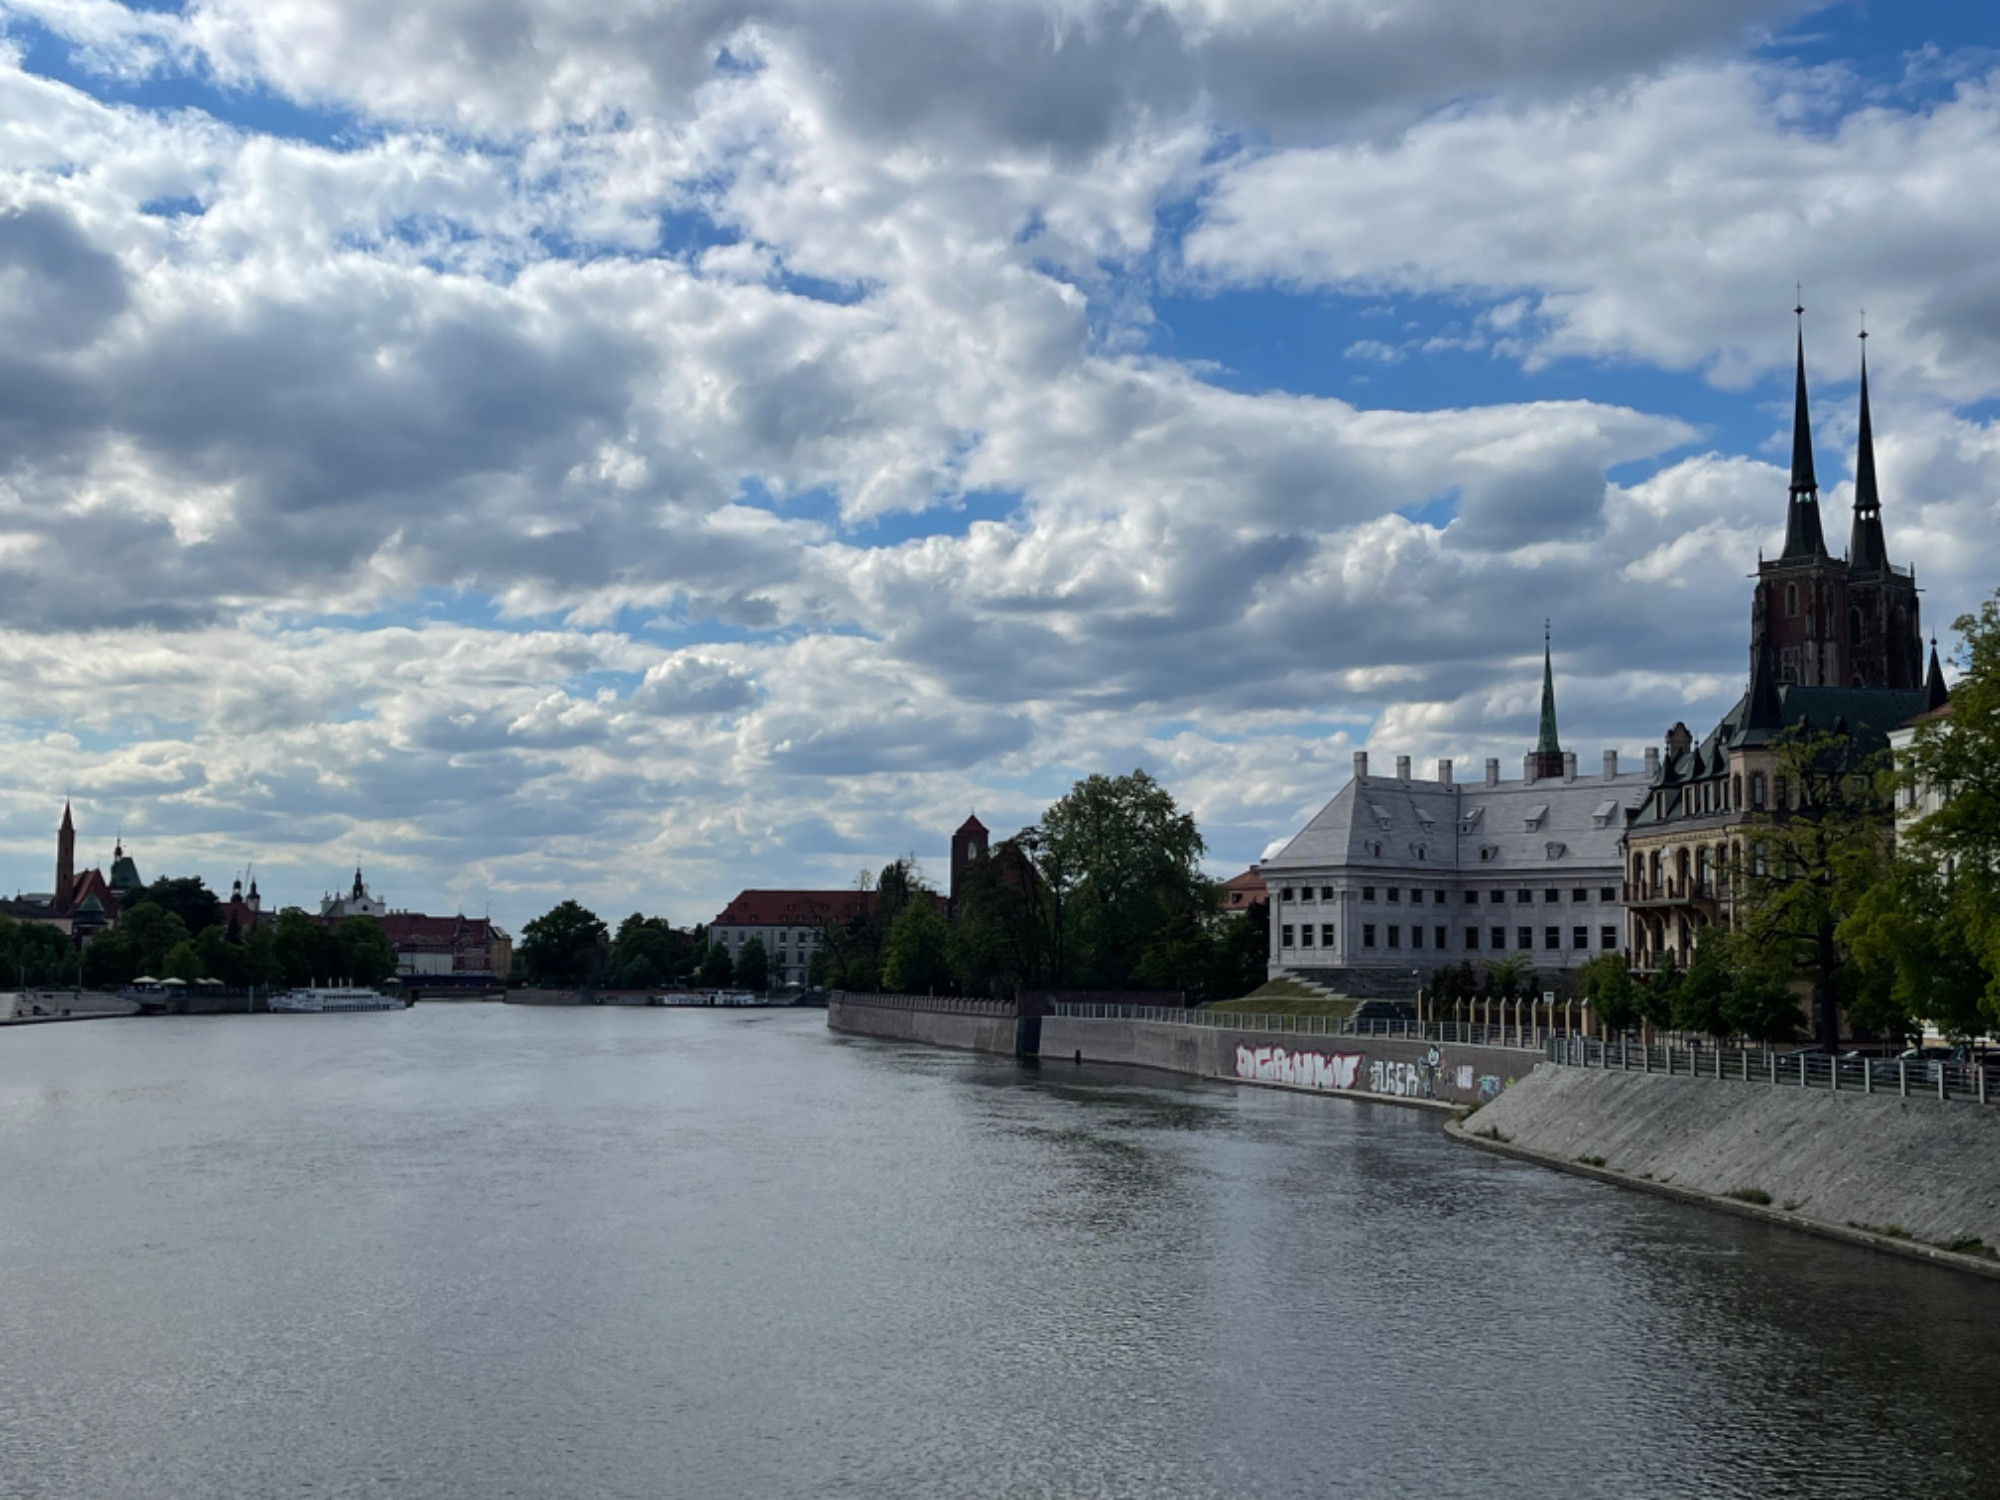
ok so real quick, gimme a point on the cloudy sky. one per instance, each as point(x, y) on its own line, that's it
point(643, 448)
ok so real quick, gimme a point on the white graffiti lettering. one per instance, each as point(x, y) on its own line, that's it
point(1306, 1070)
point(1402, 1080)
point(1465, 1077)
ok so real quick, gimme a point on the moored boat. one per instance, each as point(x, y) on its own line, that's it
point(319, 998)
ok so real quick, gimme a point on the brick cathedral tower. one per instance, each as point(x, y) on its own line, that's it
point(65, 861)
point(1827, 621)
point(968, 844)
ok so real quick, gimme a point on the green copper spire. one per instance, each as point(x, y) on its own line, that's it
point(1548, 749)
point(1547, 744)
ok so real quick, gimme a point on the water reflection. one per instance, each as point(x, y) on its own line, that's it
point(484, 1251)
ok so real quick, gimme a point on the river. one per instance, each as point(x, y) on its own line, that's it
point(492, 1251)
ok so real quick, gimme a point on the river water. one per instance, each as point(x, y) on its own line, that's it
point(492, 1251)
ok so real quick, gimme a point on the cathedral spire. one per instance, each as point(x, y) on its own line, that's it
point(1548, 748)
point(1803, 537)
point(1867, 551)
point(1936, 694)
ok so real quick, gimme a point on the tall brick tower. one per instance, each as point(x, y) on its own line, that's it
point(65, 860)
point(969, 842)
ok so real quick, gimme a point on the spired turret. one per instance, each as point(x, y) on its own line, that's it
point(1803, 536)
point(1548, 745)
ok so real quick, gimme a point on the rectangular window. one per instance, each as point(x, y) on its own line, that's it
point(1552, 896)
point(1522, 898)
point(1306, 935)
point(1471, 939)
point(1472, 898)
point(1438, 896)
point(1580, 938)
point(1417, 896)
point(1395, 936)
point(1285, 894)
point(1443, 936)
point(1607, 937)
point(1367, 934)
point(1326, 935)
point(1368, 893)
point(1552, 937)
point(1607, 893)
point(1395, 895)
point(1527, 937)
point(1499, 936)
point(1416, 937)
point(1285, 935)
point(1579, 895)
point(1326, 893)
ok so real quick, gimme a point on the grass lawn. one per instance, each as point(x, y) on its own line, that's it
point(1283, 997)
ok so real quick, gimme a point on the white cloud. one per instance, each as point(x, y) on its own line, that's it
point(504, 495)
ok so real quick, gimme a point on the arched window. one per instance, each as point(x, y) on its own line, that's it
point(1655, 881)
point(1791, 601)
point(1778, 793)
point(1681, 870)
point(1736, 791)
point(1757, 790)
point(1638, 871)
point(1701, 871)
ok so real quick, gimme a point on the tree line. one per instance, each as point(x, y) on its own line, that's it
point(1105, 892)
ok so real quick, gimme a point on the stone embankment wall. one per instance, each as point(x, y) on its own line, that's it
point(1383, 1067)
point(1922, 1170)
point(967, 1025)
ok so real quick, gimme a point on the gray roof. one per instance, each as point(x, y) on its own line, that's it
point(1381, 823)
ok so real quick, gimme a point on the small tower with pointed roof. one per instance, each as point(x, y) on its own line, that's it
point(1548, 746)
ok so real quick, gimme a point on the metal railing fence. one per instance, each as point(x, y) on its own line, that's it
point(956, 1005)
point(1906, 1077)
point(1524, 1038)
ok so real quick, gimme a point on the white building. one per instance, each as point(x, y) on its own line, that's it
point(356, 903)
point(1397, 876)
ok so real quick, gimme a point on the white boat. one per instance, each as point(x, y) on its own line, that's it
point(318, 998)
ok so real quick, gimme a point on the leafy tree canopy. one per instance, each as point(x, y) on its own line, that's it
point(186, 896)
point(566, 945)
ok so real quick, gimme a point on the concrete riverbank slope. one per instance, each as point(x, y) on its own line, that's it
point(1910, 1169)
point(1445, 1073)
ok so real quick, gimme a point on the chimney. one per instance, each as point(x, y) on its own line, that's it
point(1493, 770)
point(1402, 768)
point(1361, 765)
point(1569, 765)
point(1444, 773)
point(1528, 767)
point(1652, 762)
point(1611, 765)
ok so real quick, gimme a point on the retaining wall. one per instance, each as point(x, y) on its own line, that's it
point(969, 1026)
point(1928, 1169)
point(1391, 1067)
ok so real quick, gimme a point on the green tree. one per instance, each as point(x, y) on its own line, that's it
point(186, 896)
point(305, 949)
point(1511, 975)
point(1951, 884)
point(1812, 861)
point(913, 957)
point(998, 936)
point(153, 931)
point(753, 966)
point(366, 954)
point(1117, 860)
point(717, 971)
point(1606, 982)
point(649, 951)
point(33, 953)
point(1760, 1003)
point(110, 960)
point(220, 958)
point(1698, 1002)
point(566, 945)
point(183, 962)
point(261, 965)
point(1661, 995)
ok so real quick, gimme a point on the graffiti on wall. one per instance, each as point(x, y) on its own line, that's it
point(1306, 1070)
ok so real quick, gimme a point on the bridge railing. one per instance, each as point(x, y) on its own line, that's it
point(1905, 1077)
point(1523, 1038)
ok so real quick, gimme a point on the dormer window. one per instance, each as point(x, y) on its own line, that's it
point(1535, 816)
point(1382, 819)
point(1469, 819)
point(1554, 850)
point(1602, 814)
